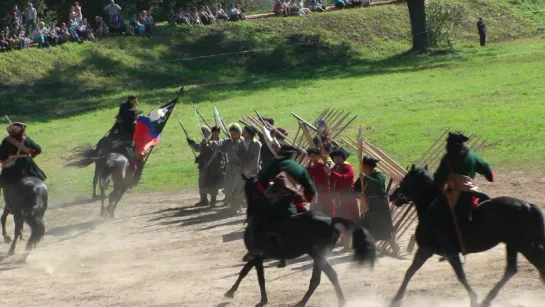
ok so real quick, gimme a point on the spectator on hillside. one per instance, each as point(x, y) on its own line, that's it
point(4, 44)
point(24, 42)
point(195, 19)
point(301, 7)
point(294, 9)
point(113, 11)
point(11, 37)
point(205, 18)
point(73, 20)
point(14, 21)
point(279, 9)
point(84, 31)
point(101, 29)
point(31, 18)
point(209, 13)
point(172, 17)
point(52, 38)
point(19, 15)
point(340, 4)
point(77, 10)
point(183, 17)
point(71, 12)
point(38, 35)
point(481, 27)
point(220, 13)
point(147, 21)
point(316, 6)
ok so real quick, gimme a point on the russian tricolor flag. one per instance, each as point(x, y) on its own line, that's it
point(149, 128)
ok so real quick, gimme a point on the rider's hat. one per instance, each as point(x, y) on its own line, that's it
point(457, 137)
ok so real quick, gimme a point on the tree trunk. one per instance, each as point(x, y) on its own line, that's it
point(417, 14)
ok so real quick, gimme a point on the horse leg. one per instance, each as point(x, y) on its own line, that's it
point(19, 220)
point(510, 270)
point(332, 275)
point(459, 269)
point(95, 181)
point(314, 281)
point(103, 199)
point(536, 256)
point(7, 239)
point(261, 278)
point(245, 270)
point(422, 255)
point(38, 229)
point(118, 197)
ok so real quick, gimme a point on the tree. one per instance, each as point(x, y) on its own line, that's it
point(419, 29)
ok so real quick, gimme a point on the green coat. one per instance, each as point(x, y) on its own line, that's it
point(468, 165)
point(285, 206)
point(379, 218)
point(24, 166)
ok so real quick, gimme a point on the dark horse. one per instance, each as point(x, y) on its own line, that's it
point(104, 146)
point(518, 224)
point(305, 233)
point(110, 167)
point(27, 200)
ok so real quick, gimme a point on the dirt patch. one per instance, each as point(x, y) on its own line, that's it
point(161, 251)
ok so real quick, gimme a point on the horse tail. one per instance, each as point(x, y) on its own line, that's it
point(362, 241)
point(82, 156)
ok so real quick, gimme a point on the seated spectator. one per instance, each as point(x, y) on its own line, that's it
point(287, 7)
point(356, 3)
point(209, 13)
point(38, 35)
point(147, 21)
point(279, 10)
point(11, 37)
point(172, 17)
point(101, 29)
point(301, 6)
point(340, 4)
point(4, 44)
point(220, 13)
point(194, 17)
point(14, 20)
point(204, 16)
point(24, 42)
point(84, 31)
point(316, 6)
point(52, 38)
point(73, 20)
point(183, 17)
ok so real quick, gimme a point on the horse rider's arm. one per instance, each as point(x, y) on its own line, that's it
point(484, 168)
point(308, 185)
point(442, 172)
point(33, 145)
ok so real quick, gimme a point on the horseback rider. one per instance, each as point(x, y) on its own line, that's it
point(123, 129)
point(291, 187)
point(455, 176)
point(16, 154)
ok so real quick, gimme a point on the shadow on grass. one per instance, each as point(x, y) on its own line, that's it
point(99, 81)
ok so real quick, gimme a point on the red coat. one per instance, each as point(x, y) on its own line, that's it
point(342, 185)
point(324, 202)
point(319, 176)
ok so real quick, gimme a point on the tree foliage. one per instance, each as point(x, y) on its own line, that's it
point(444, 20)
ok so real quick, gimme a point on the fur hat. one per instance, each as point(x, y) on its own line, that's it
point(457, 137)
point(251, 130)
point(235, 127)
point(215, 129)
point(338, 152)
point(369, 161)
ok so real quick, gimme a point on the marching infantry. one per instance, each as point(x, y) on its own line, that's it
point(323, 201)
point(229, 147)
point(211, 165)
point(249, 157)
point(378, 218)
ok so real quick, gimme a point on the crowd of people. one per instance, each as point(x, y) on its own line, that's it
point(24, 29)
point(285, 8)
point(204, 15)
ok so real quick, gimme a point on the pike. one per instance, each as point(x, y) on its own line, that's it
point(198, 122)
point(199, 114)
point(309, 125)
point(185, 131)
point(364, 207)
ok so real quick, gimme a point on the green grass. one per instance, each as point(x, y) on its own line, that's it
point(351, 60)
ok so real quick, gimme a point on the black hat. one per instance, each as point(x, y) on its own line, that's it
point(215, 129)
point(251, 129)
point(313, 150)
point(269, 120)
point(338, 152)
point(131, 97)
point(369, 161)
point(287, 150)
point(456, 137)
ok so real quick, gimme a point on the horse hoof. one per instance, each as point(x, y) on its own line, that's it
point(7, 239)
point(261, 304)
point(395, 303)
point(229, 294)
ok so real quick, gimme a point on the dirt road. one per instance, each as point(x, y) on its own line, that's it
point(160, 251)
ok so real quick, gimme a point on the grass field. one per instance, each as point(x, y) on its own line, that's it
point(70, 94)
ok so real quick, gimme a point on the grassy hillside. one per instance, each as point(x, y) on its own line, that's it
point(351, 59)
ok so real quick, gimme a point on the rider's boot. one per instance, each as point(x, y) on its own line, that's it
point(448, 249)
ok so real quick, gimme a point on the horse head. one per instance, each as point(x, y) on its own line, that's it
point(416, 186)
